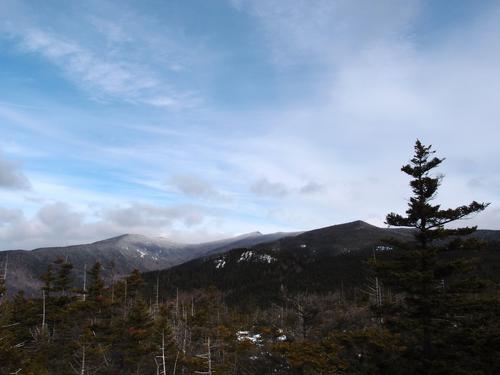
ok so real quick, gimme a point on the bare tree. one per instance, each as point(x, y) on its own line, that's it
point(43, 311)
point(160, 359)
point(208, 357)
point(306, 311)
point(85, 282)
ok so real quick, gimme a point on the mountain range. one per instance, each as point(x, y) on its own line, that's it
point(255, 263)
point(118, 256)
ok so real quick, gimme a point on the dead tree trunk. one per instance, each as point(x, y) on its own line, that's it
point(208, 357)
point(84, 282)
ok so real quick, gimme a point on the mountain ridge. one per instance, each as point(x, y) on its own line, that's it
point(118, 255)
point(320, 260)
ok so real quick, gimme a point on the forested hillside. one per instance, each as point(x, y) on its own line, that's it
point(117, 329)
point(332, 259)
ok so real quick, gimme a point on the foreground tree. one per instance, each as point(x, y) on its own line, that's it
point(432, 284)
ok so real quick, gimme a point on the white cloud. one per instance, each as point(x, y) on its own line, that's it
point(311, 188)
point(140, 215)
point(193, 186)
point(11, 175)
point(59, 218)
point(8, 216)
point(266, 188)
point(59, 224)
point(327, 31)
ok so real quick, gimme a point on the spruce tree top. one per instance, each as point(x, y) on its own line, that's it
point(429, 219)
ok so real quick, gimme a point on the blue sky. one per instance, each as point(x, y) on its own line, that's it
point(197, 120)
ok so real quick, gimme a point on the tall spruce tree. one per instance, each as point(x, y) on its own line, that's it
point(96, 288)
point(48, 279)
point(419, 270)
point(64, 279)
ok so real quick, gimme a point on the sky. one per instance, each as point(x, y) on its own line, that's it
point(197, 120)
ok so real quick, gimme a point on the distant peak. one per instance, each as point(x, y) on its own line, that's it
point(134, 236)
point(113, 239)
point(137, 238)
point(352, 225)
point(251, 234)
point(358, 224)
point(127, 236)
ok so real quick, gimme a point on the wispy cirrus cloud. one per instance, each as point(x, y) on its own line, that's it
point(113, 59)
point(103, 77)
point(327, 31)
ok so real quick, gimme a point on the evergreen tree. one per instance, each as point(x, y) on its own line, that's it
point(3, 277)
point(419, 270)
point(10, 352)
point(64, 278)
point(96, 287)
point(48, 279)
point(137, 346)
point(3, 288)
point(134, 283)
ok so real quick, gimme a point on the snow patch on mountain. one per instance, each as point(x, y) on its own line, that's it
point(220, 263)
point(247, 255)
point(250, 255)
point(266, 258)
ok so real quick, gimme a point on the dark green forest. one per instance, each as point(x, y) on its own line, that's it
point(425, 300)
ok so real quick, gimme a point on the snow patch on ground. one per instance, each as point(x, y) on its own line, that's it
point(254, 338)
point(282, 336)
